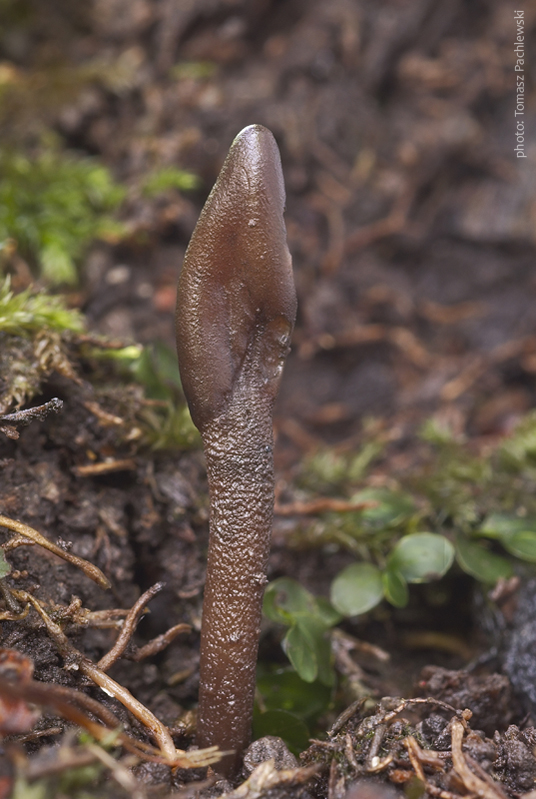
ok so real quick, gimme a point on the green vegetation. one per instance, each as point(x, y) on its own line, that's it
point(167, 422)
point(283, 724)
point(35, 331)
point(193, 70)
point(53, 205)
point(308, 619)
point(163, 413)
point(70, 778)
point(452, 507)
point(167, 178)
point(34, 312)
point(40, 335)
point(54, 202)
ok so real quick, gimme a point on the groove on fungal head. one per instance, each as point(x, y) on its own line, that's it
point(236, 279)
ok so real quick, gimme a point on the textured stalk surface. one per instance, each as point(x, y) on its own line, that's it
point(241, 481)
point(235, 312)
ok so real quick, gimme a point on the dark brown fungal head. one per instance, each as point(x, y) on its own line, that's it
point(235, 313)
point(237, 302)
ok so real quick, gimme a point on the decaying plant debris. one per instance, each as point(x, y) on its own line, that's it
point(440, 755)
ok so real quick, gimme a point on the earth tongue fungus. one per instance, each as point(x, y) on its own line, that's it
point(235, 313)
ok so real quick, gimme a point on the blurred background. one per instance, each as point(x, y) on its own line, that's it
point(411, 222)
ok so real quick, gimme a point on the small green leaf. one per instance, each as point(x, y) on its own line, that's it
point(308, 649)
point(5, 567)
point(522, 545)
point(421, 557)
point(285, 690)
point(284, 598)
point(504, 525)
point(356, 589)
point(271, 609)
point(283, 724)
point(479, 562)
point(395, 588)
point(326, 612)
point(326, 672)
point(305, 644)
point(392, 506)
point(300, 650)
point(516, 534)
point(313, 629)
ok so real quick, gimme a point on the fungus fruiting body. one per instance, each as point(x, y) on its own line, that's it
point(235, 313)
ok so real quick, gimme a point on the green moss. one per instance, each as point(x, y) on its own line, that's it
point(33, 311)
point(330, 472)
point(163, 414)
point(161, 180)
point(35, 331)
point(53, 205)
point(40, 335)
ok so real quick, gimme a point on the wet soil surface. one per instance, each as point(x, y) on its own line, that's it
point(411, 224)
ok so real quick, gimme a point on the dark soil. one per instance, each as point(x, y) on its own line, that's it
point(411, 225)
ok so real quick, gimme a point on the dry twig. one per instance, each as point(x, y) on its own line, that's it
point(484, 788)
point(27, 535)
point(129, 625)
point(321, 505)
point(75, 660)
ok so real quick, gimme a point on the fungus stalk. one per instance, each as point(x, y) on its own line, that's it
point(235, 313)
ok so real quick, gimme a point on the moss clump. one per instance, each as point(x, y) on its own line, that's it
point(139, 386)
point(35, 328)
point(53, 205)
point(30, 312)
